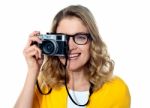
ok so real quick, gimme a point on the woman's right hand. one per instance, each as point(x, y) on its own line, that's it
point(33, 54)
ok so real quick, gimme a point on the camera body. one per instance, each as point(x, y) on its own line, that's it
point(53, 44)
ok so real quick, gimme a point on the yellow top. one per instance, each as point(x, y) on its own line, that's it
point(113, 94)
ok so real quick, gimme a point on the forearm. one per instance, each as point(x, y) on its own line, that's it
point(25, 99)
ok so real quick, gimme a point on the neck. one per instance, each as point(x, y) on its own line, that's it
point(78, 81)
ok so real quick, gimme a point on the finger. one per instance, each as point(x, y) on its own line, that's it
point(36, 55)
point(33, 48)
point(33, 37)
point(32, 40)
point(38, 50)
point(33, 54)
point(40, 61)
point(34, 33)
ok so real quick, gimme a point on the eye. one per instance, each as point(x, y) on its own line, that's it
point(81, 37)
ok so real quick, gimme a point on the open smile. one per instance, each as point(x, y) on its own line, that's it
point(74, 56)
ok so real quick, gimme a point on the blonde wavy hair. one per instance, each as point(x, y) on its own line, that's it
point(99, 67)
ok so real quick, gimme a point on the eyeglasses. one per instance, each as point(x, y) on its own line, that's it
point(80, 38)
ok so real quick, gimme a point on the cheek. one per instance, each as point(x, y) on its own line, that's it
point(86, 51)
point(88, 54)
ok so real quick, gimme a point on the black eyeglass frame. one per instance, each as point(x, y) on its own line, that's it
point(88, 35)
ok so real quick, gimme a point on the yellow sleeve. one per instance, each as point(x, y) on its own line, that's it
point(113, 94)
point(122, 98)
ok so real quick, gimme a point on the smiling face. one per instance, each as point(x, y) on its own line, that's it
point(78, 54)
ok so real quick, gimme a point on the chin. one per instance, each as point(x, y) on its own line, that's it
point(73, 69)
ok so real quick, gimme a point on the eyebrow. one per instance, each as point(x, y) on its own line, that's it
point(73, 34)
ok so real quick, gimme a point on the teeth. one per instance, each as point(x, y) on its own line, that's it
point(73, 55)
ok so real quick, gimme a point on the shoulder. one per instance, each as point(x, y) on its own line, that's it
point(120, 92)
point(115, 92)
point(117, 84)
point(118, 88)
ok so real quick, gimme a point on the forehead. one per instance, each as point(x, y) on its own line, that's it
point(71, 25)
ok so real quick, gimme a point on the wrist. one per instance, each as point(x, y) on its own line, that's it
point(33, 74)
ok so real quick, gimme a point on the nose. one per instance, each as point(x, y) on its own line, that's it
point(72, 44)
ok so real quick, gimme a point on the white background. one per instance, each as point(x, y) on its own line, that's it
point(123, 24)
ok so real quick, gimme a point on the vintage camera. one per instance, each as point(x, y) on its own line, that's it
point(53, 44)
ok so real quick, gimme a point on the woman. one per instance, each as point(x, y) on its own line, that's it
point(82, 79)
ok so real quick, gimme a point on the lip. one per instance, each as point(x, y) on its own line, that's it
point(74, 55)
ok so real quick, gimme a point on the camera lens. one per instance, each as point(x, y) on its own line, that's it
point(49, 47)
